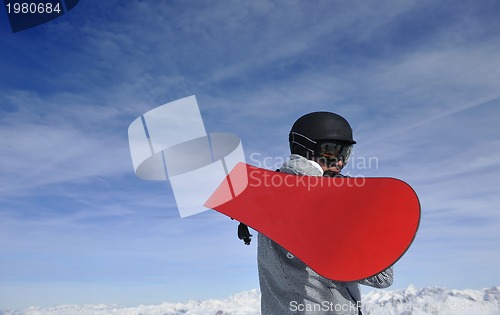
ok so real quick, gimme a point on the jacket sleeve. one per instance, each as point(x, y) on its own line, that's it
point(381, 280)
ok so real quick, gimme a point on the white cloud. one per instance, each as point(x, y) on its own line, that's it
point(34, 155)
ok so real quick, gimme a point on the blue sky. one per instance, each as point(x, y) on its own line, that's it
point(418, 80)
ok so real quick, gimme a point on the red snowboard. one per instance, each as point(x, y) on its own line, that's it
point(345, 229)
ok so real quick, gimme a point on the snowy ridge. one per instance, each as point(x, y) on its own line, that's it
point(433, 301)
point(410, 301)
point(245, 303)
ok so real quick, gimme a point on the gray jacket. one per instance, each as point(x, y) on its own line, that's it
point(288, 286)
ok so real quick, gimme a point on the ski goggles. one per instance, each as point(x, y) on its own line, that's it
point(334, 151)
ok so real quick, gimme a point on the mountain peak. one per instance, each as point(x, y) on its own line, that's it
point(411, 300)
point(433, 300)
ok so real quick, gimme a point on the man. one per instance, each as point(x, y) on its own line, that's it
point(320, 144)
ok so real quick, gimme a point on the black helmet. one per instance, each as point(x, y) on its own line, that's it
point(314, 127)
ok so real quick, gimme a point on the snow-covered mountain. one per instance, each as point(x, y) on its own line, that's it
point(433, 301)
point(245, 303)
point(410, 301)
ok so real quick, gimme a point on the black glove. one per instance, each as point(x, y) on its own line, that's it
point(244, 234)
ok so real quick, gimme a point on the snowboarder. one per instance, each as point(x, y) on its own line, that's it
point(320, 145)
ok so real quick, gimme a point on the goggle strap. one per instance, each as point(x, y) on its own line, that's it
point(296, 141)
